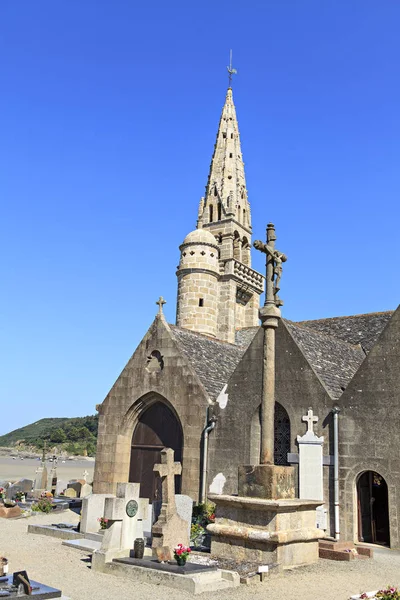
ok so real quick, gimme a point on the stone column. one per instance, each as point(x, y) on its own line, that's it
point(267, 480)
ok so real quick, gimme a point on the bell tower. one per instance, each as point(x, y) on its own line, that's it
point(224, 212)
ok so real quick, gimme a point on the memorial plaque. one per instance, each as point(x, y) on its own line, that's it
point(132, 508)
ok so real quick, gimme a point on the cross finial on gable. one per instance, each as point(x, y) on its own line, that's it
point(160, 303)
point(310, 420)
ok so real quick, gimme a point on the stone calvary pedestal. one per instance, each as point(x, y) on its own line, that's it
point(265, 523)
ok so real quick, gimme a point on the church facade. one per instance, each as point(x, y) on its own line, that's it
point(196, 386)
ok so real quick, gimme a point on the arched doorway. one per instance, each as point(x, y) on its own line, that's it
point(373, 509)
point(156, 429)
point(281, 437)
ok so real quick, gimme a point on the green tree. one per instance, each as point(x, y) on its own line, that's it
point(58, 436)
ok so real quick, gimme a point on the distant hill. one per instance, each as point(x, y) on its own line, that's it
point(76, 435)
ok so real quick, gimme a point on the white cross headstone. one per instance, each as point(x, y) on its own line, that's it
point(85, 474)
point(310, 420)
point(310, 461)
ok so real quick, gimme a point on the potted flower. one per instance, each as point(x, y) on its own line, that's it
point(20, 497)
point(2, 493)
point(181, 553)
point(103, 523)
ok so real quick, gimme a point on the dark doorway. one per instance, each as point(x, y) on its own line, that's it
point(157, 428)
point(373, 509)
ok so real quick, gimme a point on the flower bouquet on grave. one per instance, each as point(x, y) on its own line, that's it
point(2, 493)
point(20, 497)
point(181, 553)
point(103, 522)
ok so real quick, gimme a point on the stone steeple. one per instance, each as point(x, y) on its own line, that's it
point(226, 193)
point(219, 298)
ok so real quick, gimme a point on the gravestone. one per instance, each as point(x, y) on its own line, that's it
point(170, 529)
point(26, 485)
point(310, 461)
point(92, 510)
point(75, 485)
point(125, 514)
point(12, 490)
point(60, 487)
point(52, 483)
point(86, 490)
point(70, 493)
point(184, 508)
point(41, 478)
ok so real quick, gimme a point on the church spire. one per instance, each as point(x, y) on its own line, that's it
point(226, 193)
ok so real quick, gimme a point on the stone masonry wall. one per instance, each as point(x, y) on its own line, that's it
point(175, 384)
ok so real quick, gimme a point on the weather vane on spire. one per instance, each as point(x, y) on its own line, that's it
point(230, 70)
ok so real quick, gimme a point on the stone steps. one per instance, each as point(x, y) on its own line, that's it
point(345, 551)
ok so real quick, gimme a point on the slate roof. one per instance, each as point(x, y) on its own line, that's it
point(333, 360)
point(334, 347)
point(214, 361)
point(356, 329)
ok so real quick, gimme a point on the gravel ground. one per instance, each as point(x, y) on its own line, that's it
point(47, 561)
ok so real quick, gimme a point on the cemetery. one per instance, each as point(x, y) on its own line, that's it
point(239, 454)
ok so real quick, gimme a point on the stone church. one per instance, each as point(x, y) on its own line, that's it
point(196, 386)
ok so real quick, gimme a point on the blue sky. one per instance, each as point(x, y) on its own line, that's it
point(109, 110)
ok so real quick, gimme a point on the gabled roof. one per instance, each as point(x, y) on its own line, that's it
point(333, 360)
point(355, 329)
point(334, 348)
point(214, 361)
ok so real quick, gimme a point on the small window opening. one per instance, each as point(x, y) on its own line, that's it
point(219, 211)
point(201, 301)
point(215, 191)
point(231, 136)
point(211, 214)
point(244, 217)
point(230, 155)
point(224, 135)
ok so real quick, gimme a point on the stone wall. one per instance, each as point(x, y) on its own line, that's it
point(136, 388)
point(369, 429)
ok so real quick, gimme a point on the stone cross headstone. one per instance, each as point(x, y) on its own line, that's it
point(85, 474)
point(310, 461)
point(310, 419)
point(170, 529)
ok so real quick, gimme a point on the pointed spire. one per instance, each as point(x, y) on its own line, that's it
point(226, 181)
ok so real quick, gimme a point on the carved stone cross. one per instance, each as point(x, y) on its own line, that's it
point(85, 474)
point(310, 420)
point(160, 303)
point(273, 267)
point(167, 471)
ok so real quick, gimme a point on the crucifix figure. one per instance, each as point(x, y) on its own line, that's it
point(274, 266)
point(167, 471)
point(310, 420)
point(161, 303)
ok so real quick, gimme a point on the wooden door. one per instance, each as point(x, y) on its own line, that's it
point(157, 428)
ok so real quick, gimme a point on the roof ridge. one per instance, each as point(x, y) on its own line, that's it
point(384, 312)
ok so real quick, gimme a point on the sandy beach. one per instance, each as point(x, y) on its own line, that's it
point(13, 469)
point(47, 561)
